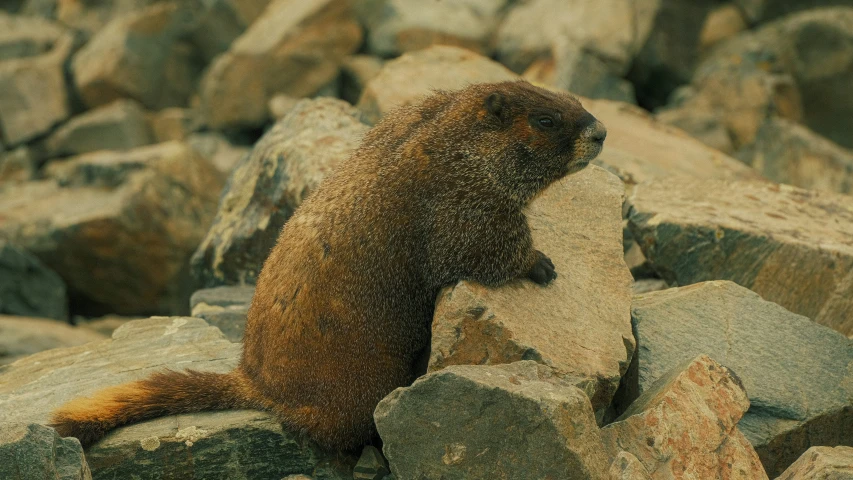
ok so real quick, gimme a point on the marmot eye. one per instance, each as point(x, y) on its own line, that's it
point(546, 122)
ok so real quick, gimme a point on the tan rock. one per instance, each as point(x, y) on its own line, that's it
point(22, 37)
point(19, 165)
point(218, 150)
point(722, 23)
point(219, 22)
point(406, 79)
point(295, 47)
point(22, 336)
point(626, 467)
point(92, 16)
point(580, 324)
point(792, 246)
point(120, 125)
point(686, 426)
point(175, 124)
point(356, 71)
point(822, 463)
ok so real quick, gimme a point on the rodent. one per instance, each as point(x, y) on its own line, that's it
point(343, 305)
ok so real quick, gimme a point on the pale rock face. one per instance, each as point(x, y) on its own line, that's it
point(822, 463)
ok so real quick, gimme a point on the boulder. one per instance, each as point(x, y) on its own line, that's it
point(787, 152)
point(208, 445)
point(139, 55)
point(791, 246)
point(219, 22)
point(399, 26)
point(22, 336)
point(579, 325)
point(118, 227)
point(822, 463)
point(33, 94)
point(29, 452)
point(285, 165)
point(175, 124)
point(405, 80)
point(120, 125)
point(484, 422)
point(218, 150)
point(19, 165)
point(28, 287)
point(626, 467)
point(22, 37)
point(685, 425)
point(223, 307)
point(722, 23)
point(356, 71)
point(776, 354)
point(295, 47)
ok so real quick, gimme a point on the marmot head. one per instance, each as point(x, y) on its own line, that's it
point(543, 135)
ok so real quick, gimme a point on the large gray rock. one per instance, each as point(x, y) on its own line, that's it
point(224, 307)
point(118, 227)
point(822, 463)
point(485, 422)
point(210, 445)
point(791, 246)
point(22, 336)
point(28, 287)
point(286, 164)
point(579, 325)
point(30, 452)
point(295, 47)
point(799, 375)
point(686, 425)
point(121, 125)
point(22, 37)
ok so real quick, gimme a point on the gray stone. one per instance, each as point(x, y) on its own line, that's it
point(760, 11)
point(224, 307)
point(22, 37)
point(219, 22)
point(799, 375)
point(22, 336)
point(209, 445)
point(28, 287)
point(485, 422)
point(791, 246)
point(30, 452)
point(585, 74)
point(285, 165)
point(371, 465)
point(822, 463)
point(120, 125)
point(579, 326)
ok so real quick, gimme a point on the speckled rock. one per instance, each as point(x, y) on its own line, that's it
point(121, 125)
point(685, 426)
point(28, 287)
point(485, 422)
point(285, 165)
point(30, 452)
point(822, 463)
point(777, 355)
point(791, 246)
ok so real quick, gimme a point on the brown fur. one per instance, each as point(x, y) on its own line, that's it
point(344, 303)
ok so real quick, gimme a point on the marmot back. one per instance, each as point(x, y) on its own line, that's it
point(344, 303)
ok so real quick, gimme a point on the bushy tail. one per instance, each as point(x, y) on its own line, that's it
point(164, 393)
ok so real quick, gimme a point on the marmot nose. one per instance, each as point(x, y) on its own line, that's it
point(596, 132)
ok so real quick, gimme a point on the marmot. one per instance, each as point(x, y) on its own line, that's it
point(434, 194)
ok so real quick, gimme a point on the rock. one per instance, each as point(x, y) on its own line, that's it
point(216, 148)
point(22, 37)
point(280, 105)
point(791, 246)
point(648, 285)
point(585, 74)
point(33, 451)
point(787, 152)
point(578, 326)
point(722, 23)
point(371, 465)
point(685, 425)
point(405, 80)
point(28, 287)
point(285, 165)
point(295, 47)
point(775, 352)
point(93, 16)
point(18, 165)
point(22, 336)
point(500, 421)
point(141, 56)
point(822, 463)
point(220, 22)
point(118, 227)
point(104, 325)
point(224, 308)
point(120, 125)
point(175, 124)
point(25, 82)
point(626, 467)
point(228, 444)
point(399, 26)
point(759, 11)
point(356, 71)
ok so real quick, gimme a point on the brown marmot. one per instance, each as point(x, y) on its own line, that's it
point(343, 306)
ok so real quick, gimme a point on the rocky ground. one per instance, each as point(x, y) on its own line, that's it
point(700, 327)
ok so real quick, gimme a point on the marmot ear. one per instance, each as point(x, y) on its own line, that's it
point(495, 105)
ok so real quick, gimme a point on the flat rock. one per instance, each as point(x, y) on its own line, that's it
point(118, 227)
point(484, 422)
point(286, 164)
point(28, 287)
point(579, 325)
point(33, 94)
point(407, 79)
point(210, 445)
point(22, 37)
point(792, 246)
point(224, 307)
point(120, 125)
point(139, 55)
point(685, 425)
point(777, 355)
point(29, 452)
point(295, 47)
point(22, 336)
point(822, 463)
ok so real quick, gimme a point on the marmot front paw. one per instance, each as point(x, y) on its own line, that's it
point(543, 270)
